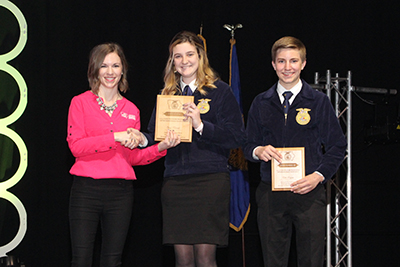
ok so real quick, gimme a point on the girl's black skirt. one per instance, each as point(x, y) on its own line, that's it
point(196, 209)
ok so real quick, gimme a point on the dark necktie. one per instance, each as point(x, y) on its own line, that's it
point(187, 90)
point(287, 95)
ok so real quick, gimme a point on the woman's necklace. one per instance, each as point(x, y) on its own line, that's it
point(108, 109)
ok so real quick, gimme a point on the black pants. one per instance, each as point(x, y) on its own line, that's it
point(278, 212)
point(105, 201)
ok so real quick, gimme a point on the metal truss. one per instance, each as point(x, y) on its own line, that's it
point(339, 206)
point(338, 211)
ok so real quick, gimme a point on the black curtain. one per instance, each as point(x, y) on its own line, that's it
point(357, 36)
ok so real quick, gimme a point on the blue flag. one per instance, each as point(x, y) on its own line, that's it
point(203, 41)
point(240, 192)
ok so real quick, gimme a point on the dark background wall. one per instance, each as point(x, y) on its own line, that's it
point(360, 36)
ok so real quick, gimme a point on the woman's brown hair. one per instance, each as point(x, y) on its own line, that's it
point(96, 59)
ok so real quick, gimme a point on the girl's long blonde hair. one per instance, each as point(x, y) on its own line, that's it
point(205, 76)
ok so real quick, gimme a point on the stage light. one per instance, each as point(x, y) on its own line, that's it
point(11, 261)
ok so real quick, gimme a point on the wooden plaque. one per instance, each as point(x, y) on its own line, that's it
point(290, 170)
point(170, 116)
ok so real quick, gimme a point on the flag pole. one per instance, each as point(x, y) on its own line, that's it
point(232, 29)
point(201, 37)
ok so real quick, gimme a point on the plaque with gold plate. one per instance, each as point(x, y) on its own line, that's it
point(170, 116)
point(290, 170)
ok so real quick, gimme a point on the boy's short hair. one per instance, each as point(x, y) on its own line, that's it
point(288, 42)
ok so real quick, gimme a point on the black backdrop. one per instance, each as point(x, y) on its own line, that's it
point(359, 36)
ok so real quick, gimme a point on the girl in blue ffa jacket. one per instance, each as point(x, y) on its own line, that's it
point(292, 114)
point(196, 188)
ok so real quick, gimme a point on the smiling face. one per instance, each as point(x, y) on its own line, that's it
point(186, 61)
point(110, 71)
point(288, 66)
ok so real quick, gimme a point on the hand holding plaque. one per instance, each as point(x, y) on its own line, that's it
point(170, 116)
point(290, 170)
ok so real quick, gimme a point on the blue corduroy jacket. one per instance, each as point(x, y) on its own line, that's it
point(223, 130)
point(318, 130)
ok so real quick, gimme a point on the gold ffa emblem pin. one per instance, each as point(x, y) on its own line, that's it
point(203, 105)
point(303, 117)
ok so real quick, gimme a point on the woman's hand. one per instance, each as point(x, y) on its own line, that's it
point(127, 139)
point(171, 140)
point(137, 135)
point(192, 112)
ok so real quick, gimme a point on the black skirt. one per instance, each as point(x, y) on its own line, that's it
point(196, 209)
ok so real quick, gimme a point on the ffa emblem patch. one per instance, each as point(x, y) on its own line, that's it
point(203, 105)
point(303, 117)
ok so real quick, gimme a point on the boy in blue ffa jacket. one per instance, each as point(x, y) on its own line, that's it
point(292, 114)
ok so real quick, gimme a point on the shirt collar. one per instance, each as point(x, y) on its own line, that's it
point(192, 85)
point(295, 90)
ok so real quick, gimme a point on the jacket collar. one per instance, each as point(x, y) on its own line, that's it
point(306, 91)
